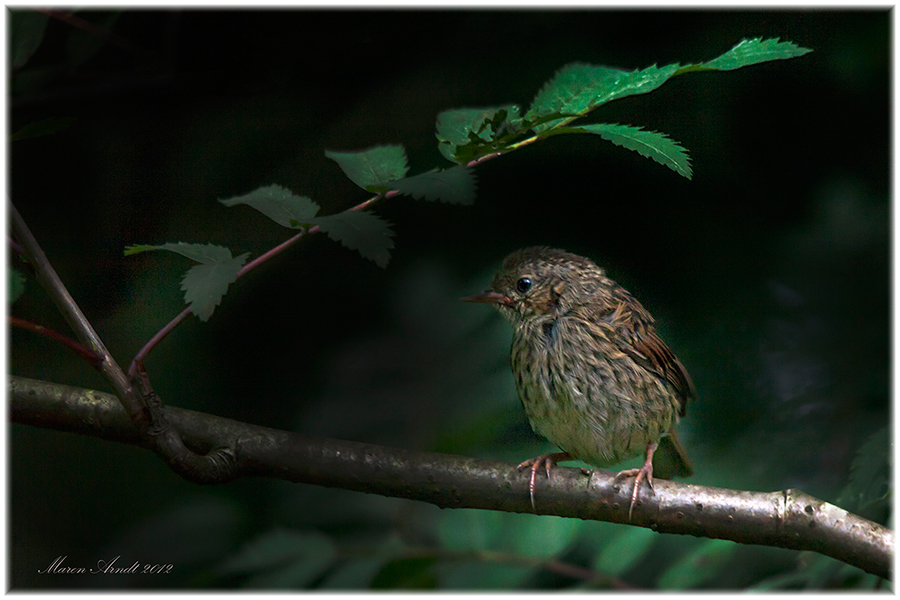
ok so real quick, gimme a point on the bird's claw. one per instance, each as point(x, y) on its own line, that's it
point(645, 472)
point(549, 461)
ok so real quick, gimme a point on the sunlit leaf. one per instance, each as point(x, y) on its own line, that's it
point(578, 88)
point(455, 185)
point(359, 230)
point(649, 144)
point(373, 167)
point(473, 128)
point(455, 125)
point(279, 204)
point(45, 127)
point(751, 52)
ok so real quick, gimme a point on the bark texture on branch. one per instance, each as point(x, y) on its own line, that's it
point(787, 519)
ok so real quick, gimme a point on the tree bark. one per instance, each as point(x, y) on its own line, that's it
point(787, 519)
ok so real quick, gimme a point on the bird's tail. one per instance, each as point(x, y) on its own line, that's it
point(670, 459)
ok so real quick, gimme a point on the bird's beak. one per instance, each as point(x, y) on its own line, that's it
point(489, 297)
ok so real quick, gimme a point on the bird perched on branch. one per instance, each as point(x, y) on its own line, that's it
point(592, 373)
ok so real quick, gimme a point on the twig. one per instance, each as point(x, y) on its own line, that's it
point(86, 353)
point(145, 412)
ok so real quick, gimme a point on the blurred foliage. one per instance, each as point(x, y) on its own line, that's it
point(768, 274)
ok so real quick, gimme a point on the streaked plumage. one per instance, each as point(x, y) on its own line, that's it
point(592, 373)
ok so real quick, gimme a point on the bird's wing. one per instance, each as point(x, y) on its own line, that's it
point(635, 336)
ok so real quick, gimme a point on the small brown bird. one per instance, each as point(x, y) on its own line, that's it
point(592, 373)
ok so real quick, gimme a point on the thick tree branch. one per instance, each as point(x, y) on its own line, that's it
point(788, 519)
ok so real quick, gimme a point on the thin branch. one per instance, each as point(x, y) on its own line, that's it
point(145, 413)
point(47, 277)
point(184, 314)
point(86, 353)
point(787, 519)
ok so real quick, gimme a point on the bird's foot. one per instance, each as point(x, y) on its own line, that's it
point(548, 461)
point(645, 472)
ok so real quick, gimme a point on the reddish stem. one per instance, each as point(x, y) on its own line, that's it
point(86, 353)
point(132, 369)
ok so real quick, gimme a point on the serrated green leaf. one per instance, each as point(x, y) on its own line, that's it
point(624, 550)
point(26, 31)
point(373, 167)
point(455, 185)
point(702, 565)
point(578, 88)
point(204, 285)
point(455, 125)
point(202, 253)
point(362, 231)
point(282, 559)
point(15, 285)
point(473, 128)
point(649, 144)
point(279, 204)
point(45, 127)
point(751, 52)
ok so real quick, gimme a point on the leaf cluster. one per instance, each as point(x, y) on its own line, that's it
point(465, 137)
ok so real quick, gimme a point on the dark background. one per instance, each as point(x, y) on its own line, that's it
point(768, 272)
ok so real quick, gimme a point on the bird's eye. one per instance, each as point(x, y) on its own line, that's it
point(523, 285)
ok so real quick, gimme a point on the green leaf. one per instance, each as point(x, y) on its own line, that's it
point(15, 285)
point(206, 283)
point(202, 253)
point(279, 204)
point(870, 474)
point(751, 52)
point(624, 550)
point(455, 185)
point(45, 127)
point(455, 125)
point(474, 129)
point(649, 144)
point(361, 231)
point(282, 559)
point(373, 167)
point(700, 566)
point(578, 88)
point(26, 31)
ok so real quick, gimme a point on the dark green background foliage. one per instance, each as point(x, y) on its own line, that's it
point(768, 273)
